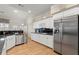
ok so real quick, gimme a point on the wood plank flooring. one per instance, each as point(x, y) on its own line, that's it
point(31, 48)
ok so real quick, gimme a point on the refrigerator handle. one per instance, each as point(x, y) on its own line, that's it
point(56, 31)
point(61, 30)
point(60, 34)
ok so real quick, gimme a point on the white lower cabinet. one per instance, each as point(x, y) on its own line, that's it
point(19, 39)
point(10, 41)
point(70, 12)
point(35, 37)
point(4, 47)
point(49, 41)
point(43, 39)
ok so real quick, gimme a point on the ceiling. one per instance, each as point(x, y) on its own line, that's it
point(18, 14)
point(36, 9)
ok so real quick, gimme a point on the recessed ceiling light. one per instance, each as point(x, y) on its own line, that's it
point(44, 17)
point(22, 24)
point(15, 11)
point(29, 11)
point(2, 39)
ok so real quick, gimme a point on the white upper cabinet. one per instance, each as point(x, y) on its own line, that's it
point(59, 7)
point(4, 26)
point(49, 23)
point(58, 16)
point(36, 25)
point(70, 12)
point(46, 23)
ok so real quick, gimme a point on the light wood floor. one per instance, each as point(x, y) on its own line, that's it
point(31, 48)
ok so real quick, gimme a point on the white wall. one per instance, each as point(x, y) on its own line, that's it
point(29, 25)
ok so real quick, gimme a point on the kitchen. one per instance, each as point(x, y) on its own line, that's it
point(37, 29)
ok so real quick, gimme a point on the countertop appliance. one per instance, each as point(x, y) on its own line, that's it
point(48, 31)
point(66, 35)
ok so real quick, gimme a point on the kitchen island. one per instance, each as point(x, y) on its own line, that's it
point(8, 39)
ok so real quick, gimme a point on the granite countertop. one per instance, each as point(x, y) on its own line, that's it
point(42, 33)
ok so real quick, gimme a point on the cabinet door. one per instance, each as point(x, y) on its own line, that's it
point(7, 46)
point(58, 16)
point(38, 38)
point(46, 40)
point(46, 21)
point(71, 12)
point(42, 39)
point(4, 47)
point(37, 24)
point(52, 22)
point(49, 41)
point(35, 37)
point(10, 41)
point(19, 39)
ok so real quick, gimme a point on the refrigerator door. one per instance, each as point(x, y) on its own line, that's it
point(57, 39)
point(70, 36)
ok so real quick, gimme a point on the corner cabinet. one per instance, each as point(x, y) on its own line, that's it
point(43, 39)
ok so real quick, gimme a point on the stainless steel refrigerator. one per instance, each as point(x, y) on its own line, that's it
point(66, 35)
